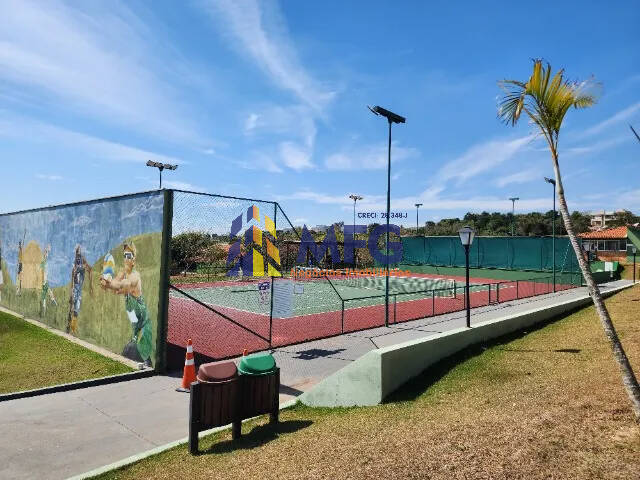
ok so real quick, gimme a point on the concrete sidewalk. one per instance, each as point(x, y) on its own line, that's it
point(64, 434)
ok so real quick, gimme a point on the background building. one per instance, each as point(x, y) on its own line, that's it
point(613, 244)
point(602, 219)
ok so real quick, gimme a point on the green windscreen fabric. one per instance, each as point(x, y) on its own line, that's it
point(512, 253)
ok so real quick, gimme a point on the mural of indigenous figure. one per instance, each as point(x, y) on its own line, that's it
point(80, 267)
point(46, 291)
point(128, 283)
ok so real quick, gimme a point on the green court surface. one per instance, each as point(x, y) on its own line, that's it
point(492, 273)
point(316, 296)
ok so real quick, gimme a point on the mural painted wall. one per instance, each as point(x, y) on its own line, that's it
point(90, 269)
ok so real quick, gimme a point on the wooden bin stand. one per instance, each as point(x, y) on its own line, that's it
point(215, 404)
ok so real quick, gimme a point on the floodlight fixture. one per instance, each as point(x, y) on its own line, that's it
point(161, 167)
point(391, 117)
point(355, 198)
point(550, 180)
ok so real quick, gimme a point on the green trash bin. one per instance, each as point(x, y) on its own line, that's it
point(261, 363)
point(260, 380)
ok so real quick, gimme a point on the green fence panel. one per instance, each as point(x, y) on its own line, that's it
point(511, 253)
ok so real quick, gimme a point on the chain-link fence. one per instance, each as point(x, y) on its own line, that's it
point(242, 279)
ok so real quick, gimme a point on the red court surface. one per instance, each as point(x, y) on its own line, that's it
point(218, 337)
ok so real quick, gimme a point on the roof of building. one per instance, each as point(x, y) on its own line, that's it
point(608, 233)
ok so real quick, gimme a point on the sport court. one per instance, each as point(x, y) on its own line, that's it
point(226, 317)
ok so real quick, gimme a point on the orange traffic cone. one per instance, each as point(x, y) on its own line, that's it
point(189, 374)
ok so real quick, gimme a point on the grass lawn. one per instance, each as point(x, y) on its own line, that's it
point(31, 357)
point(549, 404)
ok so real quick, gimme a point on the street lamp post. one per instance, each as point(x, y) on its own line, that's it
point(553, 230)
point(513, 212)
point(355, 198)
point(391, 118)
point(160, 167)
point(418, 205)
point(466, 237)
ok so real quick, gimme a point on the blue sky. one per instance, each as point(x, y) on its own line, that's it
point(268, 100)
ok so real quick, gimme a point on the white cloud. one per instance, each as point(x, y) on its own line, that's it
point(251, 122)
point(295, 121)
point(431, 200)
point(621, 116)
point(629, 199)
point(182, 186)
point(482, 157)
point(94, 60)
point(52, 178)
point(519, 177)
point(92, 147)
point(259, 161)
point(326, 199)
point(258, 30)
point(371, 157)
point(295, 157)
point(597, 146)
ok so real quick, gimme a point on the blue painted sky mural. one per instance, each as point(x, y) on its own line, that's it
point(97, 227)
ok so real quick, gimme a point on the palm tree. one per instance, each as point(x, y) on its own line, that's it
point(546, 101)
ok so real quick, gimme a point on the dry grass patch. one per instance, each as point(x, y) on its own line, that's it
point(546, 405)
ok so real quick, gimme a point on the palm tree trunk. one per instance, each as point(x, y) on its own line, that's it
point(628, 378)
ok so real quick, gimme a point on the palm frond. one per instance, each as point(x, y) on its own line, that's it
point(545, 99)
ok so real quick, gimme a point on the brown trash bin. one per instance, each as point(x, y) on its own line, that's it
point(214, 399)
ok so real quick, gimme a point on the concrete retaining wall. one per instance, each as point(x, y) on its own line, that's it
point(372, 377)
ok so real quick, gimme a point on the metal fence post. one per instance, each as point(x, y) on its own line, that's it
point(271, 312)
point(433, 303)
point(165, 279)
point(395, 302)
point(342, 320)
point(498, 292)
point(517, 289)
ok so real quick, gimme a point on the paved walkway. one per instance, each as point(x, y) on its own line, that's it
point(64, 434)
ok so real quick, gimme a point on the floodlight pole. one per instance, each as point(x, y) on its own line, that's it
point(553, 230)
point(418, 205)
point(513, 213)
point(634, 264)
point(391, 118)
point(386, 296)
point(355, 198)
